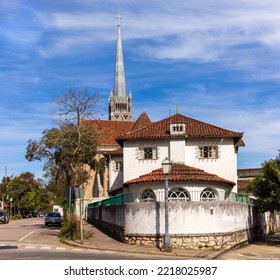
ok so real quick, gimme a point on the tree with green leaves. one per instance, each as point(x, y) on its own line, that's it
point(266, 186)
point(69, 146)
point(3, 192)
point(26, 194)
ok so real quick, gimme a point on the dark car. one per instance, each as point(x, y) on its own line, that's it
point(53, 218)
point(4, 218)
point(27, 215)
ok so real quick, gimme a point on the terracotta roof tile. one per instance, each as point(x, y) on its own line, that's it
point(142, 121)
point(180, 173)
point(118, 152)
point(109, 130)
point(194, 128)
point(242, 184)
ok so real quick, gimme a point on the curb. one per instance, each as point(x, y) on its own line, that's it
point(71, 243)
point(205, 255)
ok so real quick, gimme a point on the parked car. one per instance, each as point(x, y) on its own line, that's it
point(35, 214)
point(53, 218)
point(4, 218)
point(27, 215)
point(41, 214)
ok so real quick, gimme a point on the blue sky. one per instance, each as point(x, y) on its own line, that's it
point(218, 60)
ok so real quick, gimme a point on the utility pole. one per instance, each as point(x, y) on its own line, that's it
point(5, 186)
point(81, 195)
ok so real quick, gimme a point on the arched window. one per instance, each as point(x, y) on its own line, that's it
point(178, 194)
point(208, 195)
point(148, 196)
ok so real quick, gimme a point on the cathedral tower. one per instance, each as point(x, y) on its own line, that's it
point(120, 105)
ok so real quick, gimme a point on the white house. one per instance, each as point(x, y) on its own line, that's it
point(205, 157)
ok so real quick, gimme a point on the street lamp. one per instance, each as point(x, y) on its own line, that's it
point(166, 167)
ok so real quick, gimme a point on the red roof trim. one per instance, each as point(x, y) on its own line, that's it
point(180, 173)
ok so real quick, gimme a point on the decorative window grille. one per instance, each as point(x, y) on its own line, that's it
point(177, 128)
point(118, 166)
point(208, 152)
point(148, 153)
point(208, 195)
point(178, 194)
point(148, 196)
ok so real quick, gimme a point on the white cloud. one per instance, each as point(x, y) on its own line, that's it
point(234, 33)
point(80, 21)
point(226, 42)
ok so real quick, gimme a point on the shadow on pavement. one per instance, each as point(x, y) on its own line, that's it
point(273, 240)
point(8, 247)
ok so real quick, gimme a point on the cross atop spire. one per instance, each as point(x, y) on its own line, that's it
point(120, 104)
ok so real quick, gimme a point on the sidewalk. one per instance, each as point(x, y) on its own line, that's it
point(267, 250)
point(100, 241)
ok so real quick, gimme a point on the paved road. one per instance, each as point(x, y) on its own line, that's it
point(266, 250)
point(29, 231)
point(29, 239)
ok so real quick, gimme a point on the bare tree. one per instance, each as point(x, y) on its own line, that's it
point(76, 105)
point(69, 146)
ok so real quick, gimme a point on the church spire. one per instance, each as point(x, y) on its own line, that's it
point(119, 84)
point(120, 105)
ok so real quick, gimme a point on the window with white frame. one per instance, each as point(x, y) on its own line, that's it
point(208, 151)
point(118, 166)
point(208, 195)
point(177, 128)
point(178, 194)
point(148, 153)
point(148, 196)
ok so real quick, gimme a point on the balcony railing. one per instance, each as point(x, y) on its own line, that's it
point(192, 196)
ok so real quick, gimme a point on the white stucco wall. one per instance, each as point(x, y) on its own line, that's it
point(181, 150)
point(194, 189)
point(225, 166)
point(187, 217)
point(113, 215)
point(177, 150)
point(115, 178)
point(133, 167)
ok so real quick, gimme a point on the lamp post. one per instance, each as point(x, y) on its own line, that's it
point(166, 167)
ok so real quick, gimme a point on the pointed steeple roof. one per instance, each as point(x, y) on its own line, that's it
point(119, 84)
point(142, 121)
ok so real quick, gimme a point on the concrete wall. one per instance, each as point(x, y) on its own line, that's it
point(187, 217)
point(191, 224)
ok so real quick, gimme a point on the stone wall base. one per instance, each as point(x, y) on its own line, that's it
point(213, 241)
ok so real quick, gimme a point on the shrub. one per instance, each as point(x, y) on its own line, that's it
point(70, 228)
